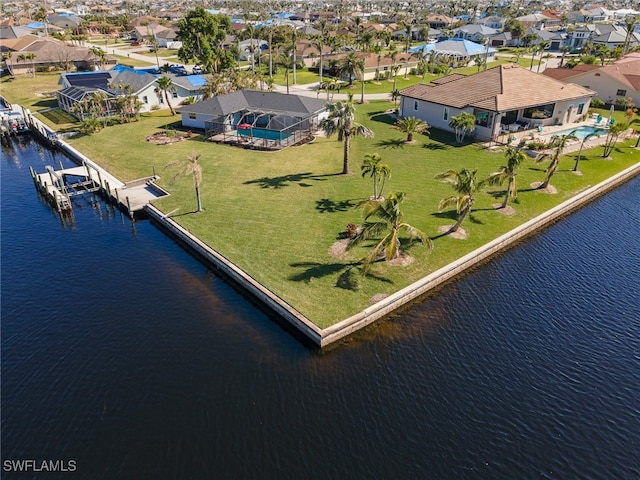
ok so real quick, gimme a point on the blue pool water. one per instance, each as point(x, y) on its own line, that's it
point(580, 132)
point(264, 133)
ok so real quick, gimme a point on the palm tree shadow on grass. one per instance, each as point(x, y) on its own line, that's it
point(343, 270)
point(435, 146)
point(301, 179)
point(326, 205)
point(392, 143)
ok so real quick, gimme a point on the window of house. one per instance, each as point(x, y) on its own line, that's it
point(539, 112)
point(483, 118)
point(415, 105)
point(175, 94)
point(621, 93)
point(580, 108)
point(145, 99)
point(445, 115)
point(192, 116)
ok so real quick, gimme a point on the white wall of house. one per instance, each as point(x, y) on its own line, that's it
point(435, 115)
point(194, 120)
point(608, 88)
point(150, 99)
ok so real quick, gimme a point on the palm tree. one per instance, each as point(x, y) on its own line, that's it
point(508, 172)
point(558, 144)
point(373, 167)
point(28, 57)
point(542, 46)
point(463, 123)
point(351, 66)
point(630, 23)
point(466, 185)
point(288, 62)
point(388, 218)
point(189, 166)
point(341, 119)
point(614, 133)
point(165, 85)
point(411, 125)
point(99, 55)
point(595, 133)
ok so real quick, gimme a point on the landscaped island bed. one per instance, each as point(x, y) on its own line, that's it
point(277, 215)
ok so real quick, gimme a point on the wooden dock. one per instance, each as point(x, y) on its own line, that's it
point(60, 186)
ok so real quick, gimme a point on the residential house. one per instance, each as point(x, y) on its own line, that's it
point(501, 98)
point(168, 38)
point(457, 50)
point(474, 33)
point(441, 22)
point(255, 117)
point(379, 66)
point(492, 21)
point(620, 80)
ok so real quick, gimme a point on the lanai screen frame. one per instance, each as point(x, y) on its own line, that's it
point(227, 126)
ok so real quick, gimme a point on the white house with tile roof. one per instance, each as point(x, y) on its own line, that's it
point(503, 97)
point(621, 79)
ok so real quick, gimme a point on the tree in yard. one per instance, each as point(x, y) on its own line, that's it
point(378, 171)
point(202, 35)
point(387, 221)
point(286, 60)
point(350, 66)
point(341, 119)
point(595, 133)
point(99, 55)
point(463, 123)
point(165, 85)
point(189, 167)
point(558, 144)
point(28, 57)
point(411, 126)
point(613, 134)
point(508, 172)
point(466, 185)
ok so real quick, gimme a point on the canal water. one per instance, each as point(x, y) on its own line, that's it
point(127, 357)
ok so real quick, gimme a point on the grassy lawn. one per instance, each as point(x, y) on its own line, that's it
point(134, 62)
point(277, 214)
point(36, 93)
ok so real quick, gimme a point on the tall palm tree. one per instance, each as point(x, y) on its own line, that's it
point(595, 133)
point(376, 170)
point(630, 23)
point(189, 166)
point(387, 220)
point(286, 60)
point(462, 123)
point(466, 185)
point(165, 85)
point(613, 134)
point(410, 126)
point(542, 46)
point(508, 172)
point(558, 144)
point(351, 66)
point(342, 120)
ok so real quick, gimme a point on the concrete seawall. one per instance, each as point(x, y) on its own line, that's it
point(324, 337)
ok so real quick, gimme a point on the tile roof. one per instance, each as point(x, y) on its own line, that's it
point(499, 89)
point(626, 71)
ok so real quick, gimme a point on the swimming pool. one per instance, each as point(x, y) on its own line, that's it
point(580, 132)
point(263, 133)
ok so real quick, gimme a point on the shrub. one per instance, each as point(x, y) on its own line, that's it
point(597, 103)
point(352, 230)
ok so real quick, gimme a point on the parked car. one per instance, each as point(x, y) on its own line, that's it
point(178, 70)
point(135, 44)
point(197, 70)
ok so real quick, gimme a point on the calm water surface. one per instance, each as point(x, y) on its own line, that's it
point(123, 353)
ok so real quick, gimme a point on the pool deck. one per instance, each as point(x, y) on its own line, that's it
point(547, 132)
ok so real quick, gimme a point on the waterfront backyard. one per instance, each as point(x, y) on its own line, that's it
point(277, 215)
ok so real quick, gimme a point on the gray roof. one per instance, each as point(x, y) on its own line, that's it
point(137, 80)
point(14, 31)
point(257, 100)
